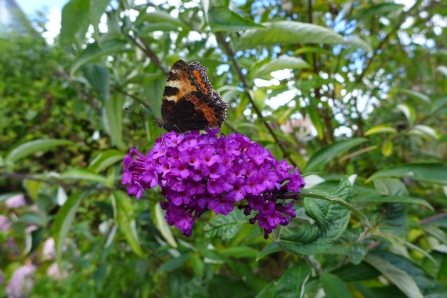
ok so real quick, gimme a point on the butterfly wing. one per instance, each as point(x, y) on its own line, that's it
point(189, 100)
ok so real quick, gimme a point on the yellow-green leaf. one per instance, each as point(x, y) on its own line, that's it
point(387, 148)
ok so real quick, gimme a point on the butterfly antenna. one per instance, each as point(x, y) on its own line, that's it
point(148, 111)
point(132, 111)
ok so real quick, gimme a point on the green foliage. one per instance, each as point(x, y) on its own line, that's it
point(339, 89)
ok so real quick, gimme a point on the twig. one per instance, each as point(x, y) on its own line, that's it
point(149, 53)
point(230, 127)
point(363, 235)
point(230, 52)
point(432, 218)
point(140, 101)
point(358, 152)
point(314, 264)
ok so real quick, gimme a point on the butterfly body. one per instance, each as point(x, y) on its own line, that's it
point(189, 100)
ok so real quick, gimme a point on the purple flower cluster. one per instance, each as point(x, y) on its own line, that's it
point(21, 282)
point(198, 172)
point(5, 223)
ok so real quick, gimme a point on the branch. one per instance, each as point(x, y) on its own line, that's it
point(230, 52)
point(148, 52)
point(383, 41)
point(137, 99)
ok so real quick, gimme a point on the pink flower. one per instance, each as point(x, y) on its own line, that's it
point(21, 282)
point(16, 201)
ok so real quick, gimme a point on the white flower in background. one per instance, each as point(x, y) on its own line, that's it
point(54, 272)
point(48, 251)
point(5, 223)
point(16, 201)
point(21, 282)
point(31, 228)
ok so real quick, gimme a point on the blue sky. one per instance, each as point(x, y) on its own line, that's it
point(31, 6)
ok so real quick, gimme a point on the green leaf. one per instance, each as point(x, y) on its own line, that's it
point(381, 129)
point(435, 232)
point(327, 197)
point(420, 97)
point(328, 153)
point(360, 43)
point(83, 174)
point(421, 251)
point(75, 15)
point(313, 49)
point(387, 148)
point(330, 219)
point(315, 118)
point(95, 50)
point(374, 199)
point(64, 219)
point(409, 112)
point(97, 9)
point(442, 69)
point(270, 248)
point(333, 286)
point(355, 251)
point(229, 93)
point(174, 263)
point(99, 276)
point(163, 17)
point(198, 266)
point(124, 216)
point(36, 239)
point(225, 226)
point(425, 172)
point(153, 91)
point(390, 187)
point(442, 274)
point(428, 286)
point(438, 104)
point(424, 131)
point(280, 63)
point(393, 218)
point(240, 252)
point(151, 27)
point(105, 159)
point(98, 76)
point(288, 32)
point(32, 218)
point(378, 10)
point(163, 226)
point(223, 19)
point(291, 283)
point(259, 97)
point(28, 148)
point(32, 187)
point(399, 277)
point(113, 118)
point(351, 272)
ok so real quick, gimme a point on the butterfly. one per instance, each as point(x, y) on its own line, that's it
point(189, 100)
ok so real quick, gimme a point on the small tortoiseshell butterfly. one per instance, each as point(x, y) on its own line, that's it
point(189, 100)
